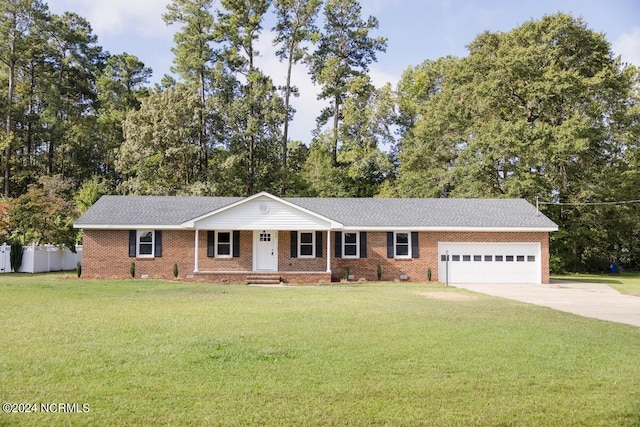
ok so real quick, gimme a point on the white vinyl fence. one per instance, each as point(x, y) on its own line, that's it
point(41, 258)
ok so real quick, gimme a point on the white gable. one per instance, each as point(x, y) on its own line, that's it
point(262, 212)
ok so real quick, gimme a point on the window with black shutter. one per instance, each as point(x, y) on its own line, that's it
point(145, 243)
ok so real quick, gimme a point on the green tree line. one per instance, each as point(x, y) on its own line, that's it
point(545, 112)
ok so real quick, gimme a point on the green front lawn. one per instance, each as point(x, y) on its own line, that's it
point(163, 353)
point(624, 282)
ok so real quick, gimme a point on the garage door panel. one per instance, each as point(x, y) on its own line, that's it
point(490, 262)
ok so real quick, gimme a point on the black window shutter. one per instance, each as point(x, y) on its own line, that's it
point(211, 243)
point(133, 236)
point(415, 247)
point(318, 244)
point(390, 253)
point(363, 244)
point(158, 244)
point(236, 243)
point(294, 244)
point(338, 244)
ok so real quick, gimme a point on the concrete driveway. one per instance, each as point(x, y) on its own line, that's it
point(584, 299)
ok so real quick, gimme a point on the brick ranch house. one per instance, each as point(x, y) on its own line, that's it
point(316, 240)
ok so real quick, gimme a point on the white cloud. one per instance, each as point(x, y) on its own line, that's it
point(380, 77)
point(628, 46)
point(142, 18)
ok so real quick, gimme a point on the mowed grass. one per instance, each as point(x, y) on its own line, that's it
point(171, 353)
point(624, 282)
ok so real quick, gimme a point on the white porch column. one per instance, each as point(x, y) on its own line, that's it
point(195, 262)
point(329, 251)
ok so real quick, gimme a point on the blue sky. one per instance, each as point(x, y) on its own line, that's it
point(416, 30)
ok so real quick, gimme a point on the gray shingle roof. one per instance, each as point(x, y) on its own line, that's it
point(428, 212)
point(152, 210)
point(170, 211)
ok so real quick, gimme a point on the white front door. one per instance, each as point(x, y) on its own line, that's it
point(265, 250)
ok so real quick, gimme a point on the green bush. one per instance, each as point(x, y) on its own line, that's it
point(79, 268)
point(132, 270)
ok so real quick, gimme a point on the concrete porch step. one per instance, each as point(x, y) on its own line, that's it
point(263, 279)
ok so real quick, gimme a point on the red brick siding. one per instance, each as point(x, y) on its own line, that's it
point(416, 268)
point(286, 277)
point(287, 263)
point(105, 254)
point(242, 263)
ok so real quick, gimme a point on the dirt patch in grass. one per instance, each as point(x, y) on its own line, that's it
point(449, 296)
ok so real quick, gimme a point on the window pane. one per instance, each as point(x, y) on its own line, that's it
point(466, 257)
point(306, 237)
point(350, 237)
point(350, 250)
point(306, 250)
point(224, 249)
point(455, 257)
point(531, 258)
point(145, 243)
point(146, 237)
point(488, 258)
point(509, 258)
point(145, 249)
point(443, 257)
point(402, 250)
point(520, 258)
point(224, 243)
point(402, 238)
point(477, 257)
point(498, 257)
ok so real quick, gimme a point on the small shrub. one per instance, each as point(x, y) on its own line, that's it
point(79, 268)
point(175, 270)
point(347, 270)
point(379, 272)
point(15, 257)
point(132, 270)
point(429, 274)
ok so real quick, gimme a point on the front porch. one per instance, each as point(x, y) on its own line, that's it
point(252, 277)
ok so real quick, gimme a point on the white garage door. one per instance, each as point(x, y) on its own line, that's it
point(489, 263)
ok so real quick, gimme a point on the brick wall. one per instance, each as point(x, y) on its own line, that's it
point(416, 268)
point(106, 255)
point(205, 263)
point(287, 263)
